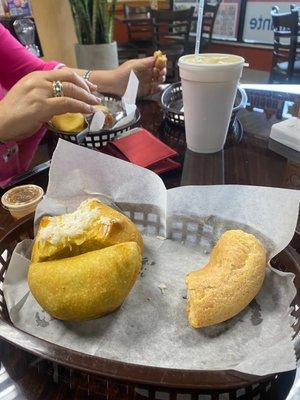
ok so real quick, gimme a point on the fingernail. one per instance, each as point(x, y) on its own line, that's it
point(98, 100)
point(95, 99)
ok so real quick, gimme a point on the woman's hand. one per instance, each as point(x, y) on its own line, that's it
point(148, 76)
point(30, 103)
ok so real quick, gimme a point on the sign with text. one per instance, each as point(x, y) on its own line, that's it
point(258, 26)
point(226, 23)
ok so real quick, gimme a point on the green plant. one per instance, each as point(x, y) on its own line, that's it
point(94, 20)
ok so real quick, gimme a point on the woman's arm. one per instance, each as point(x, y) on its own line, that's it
point(16, 61)
point(105, 80)
point(115, 81)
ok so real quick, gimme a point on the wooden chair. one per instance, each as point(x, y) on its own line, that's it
point(139, 33)
point(171, 31)
point(209, 16)
point(127, 52)
point(285, 65)
point(293, 7)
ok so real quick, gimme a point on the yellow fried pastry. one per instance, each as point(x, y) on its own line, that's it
point(69, 122)
point(227, 284)
point(92, 226)
point(86, 286)
point(160, 59)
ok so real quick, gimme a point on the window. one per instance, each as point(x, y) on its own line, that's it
point(258, 21)
point(245, 21)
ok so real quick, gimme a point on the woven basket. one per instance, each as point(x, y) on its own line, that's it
point(97, 140)
point(172, 103)
point(110, 380)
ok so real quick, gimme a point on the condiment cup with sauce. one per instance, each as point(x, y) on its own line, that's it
point(22, 200)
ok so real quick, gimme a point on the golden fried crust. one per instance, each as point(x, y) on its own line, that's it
point(110, 228)
point(228, 283)
point(69, 122)
point(160, 60)
point(86, 286)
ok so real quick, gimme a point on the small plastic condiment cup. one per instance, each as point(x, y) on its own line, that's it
point(22, 200)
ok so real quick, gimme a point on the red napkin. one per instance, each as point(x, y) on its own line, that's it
point(143, 149)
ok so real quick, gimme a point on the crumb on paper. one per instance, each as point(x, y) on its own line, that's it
point(160, 238)
point(145, 263)
point(162, 288)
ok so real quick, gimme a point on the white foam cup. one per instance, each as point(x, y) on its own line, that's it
point(209, 85)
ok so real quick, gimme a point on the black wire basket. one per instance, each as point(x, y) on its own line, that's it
point(97, 140)
point(92, 377)
point(172, 103)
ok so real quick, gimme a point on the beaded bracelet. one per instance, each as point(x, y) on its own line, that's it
point(87, 74)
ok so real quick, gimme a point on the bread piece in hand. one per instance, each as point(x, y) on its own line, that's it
point(86, 286)
point(92, 226)
point(160, 60)
point(228, 283)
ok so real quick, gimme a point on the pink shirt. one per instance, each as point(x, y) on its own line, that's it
point(16, 62)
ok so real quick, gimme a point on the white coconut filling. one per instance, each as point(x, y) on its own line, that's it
point(70, 225)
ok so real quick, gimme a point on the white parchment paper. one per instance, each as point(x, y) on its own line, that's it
point(151, 326)
point(128, 103)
